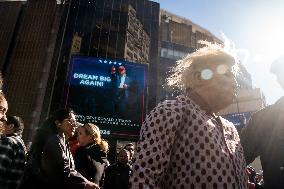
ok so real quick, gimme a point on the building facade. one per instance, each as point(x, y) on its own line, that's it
point(28, 55)
point(178, 37)
point(38, 38)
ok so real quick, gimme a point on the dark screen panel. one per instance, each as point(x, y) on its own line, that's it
point(94, 93)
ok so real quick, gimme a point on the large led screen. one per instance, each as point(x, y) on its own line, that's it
point(109, 93)
point(238, 119)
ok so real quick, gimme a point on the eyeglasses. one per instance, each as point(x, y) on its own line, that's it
point(222, 69)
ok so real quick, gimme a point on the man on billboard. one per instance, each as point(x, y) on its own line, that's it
point(121, 84)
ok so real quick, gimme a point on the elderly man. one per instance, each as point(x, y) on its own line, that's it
point(183, 144)
point(12, 154)
point(264, 136)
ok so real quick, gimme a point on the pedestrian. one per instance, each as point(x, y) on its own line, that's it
point(91, 157)
point(183, 143)
point(130, 147)
point(117, 175)
point(50, 163)
point(12, 151)
point(264, 136)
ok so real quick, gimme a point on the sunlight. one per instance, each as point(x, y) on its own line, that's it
point(270, 38)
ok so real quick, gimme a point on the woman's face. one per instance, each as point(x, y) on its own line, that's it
point(84, 138)
point(219, 84)
point(68, 126)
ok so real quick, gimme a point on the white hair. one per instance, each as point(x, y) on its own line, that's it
point(181, 72)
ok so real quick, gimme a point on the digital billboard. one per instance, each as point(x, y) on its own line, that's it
point(238, 119)
point(108, 93)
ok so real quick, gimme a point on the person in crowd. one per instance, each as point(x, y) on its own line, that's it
point(117, 175)
point(12, 152)
point(183, 143)
point(50, 163)
point(14, 125)
point(130, 147)
point(73, 143)
point(91, 157)
point(264, 136)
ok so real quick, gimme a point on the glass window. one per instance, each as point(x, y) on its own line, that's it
point(176, 53)
point(164, 52)
point(170, 52)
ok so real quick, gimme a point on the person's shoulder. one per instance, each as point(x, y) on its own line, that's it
point(264, 111)
point(111, 167)
point(171, 104)
point(95, 150)
point(54, 139)
point(6, 142)
point(15, 140)
point(80, 150)
point(12, 143)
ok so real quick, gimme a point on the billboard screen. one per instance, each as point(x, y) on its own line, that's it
point(108, 93)
point(238, 119)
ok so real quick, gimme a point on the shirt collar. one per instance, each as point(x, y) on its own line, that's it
point(190, 93)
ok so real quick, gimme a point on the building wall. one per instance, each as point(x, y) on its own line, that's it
point(99, 29)
point(9, 15)
point(26, 66)
point(248, 100)
point(103, 26)
point(137, 40)
point(244, 78)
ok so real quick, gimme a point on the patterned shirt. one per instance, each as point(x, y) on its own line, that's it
point(12, 161)
point(182, 146)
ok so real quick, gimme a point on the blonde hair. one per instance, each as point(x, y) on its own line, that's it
point(94, 131)
point(182, 72)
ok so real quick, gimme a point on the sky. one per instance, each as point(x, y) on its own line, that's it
point(256, 27)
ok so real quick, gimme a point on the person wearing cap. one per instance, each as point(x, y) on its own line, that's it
point(264, 136)
point(183, 143)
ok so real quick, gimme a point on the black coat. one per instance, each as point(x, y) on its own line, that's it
point(91, 162)
point(117, 176)
point(264, 137)
point(52, 167)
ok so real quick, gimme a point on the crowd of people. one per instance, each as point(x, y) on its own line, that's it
point(183, 143)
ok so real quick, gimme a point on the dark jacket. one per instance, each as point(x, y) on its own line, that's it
point(117, 176)
point(91, 162)
point(264, 137)
point(53, 167)
point(12, 161)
